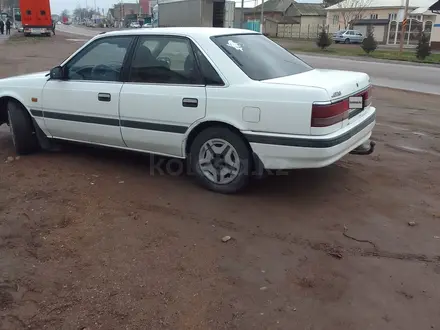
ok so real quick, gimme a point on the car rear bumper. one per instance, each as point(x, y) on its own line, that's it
point(37, 30)
point(279, 151)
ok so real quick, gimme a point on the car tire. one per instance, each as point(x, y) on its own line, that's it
point(207, 148)
point(22, 130)
point(347, 41)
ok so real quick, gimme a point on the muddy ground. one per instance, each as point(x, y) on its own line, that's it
point(99, 239)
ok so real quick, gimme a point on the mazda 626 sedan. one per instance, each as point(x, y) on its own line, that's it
point(232, 102)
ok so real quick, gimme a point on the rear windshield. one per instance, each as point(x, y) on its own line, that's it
point(259, 57)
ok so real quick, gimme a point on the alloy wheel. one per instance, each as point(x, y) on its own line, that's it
point(219, 161)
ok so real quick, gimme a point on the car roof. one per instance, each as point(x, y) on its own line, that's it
point(186, 31)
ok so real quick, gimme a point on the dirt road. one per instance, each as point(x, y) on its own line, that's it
point(98, 239)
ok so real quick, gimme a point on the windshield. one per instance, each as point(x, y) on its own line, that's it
point(259, 57)
point(340, 32)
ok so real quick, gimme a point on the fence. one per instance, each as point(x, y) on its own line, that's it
point(253, 25)
point(298, 31)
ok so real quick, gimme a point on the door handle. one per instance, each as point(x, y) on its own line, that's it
point(190, 103)
point(104, 97)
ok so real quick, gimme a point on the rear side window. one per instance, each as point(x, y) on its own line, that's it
point(164, 60)
point(259, 57)
point(210, 75)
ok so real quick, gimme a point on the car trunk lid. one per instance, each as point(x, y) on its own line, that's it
point(348, 93)
point(337, 83)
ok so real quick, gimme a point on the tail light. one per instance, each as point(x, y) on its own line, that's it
point(329, 114)
point(324, 115)
point(367, 96)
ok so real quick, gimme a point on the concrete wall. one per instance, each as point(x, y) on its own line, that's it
point(380, 32)
point(312, 20)
point(310, 25)
point(270, 28)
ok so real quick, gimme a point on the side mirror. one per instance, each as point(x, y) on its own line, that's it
point(57, 73)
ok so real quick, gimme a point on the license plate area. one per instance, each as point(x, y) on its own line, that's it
point(356, 102)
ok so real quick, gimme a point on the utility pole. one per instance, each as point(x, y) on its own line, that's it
point(262, 16)
point(402, 32)
point(242, 14)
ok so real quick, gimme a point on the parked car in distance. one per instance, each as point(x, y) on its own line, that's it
point(232, 102)
point(19, 27)
point(147, 25)
point(348, 36)
point(135, 25)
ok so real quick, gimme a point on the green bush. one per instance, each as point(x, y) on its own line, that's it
point(423, 47)
point(369, 44)
point(324, 39)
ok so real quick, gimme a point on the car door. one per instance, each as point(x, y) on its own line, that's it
point(163, 95)
point(84, 106)
point(358, 36)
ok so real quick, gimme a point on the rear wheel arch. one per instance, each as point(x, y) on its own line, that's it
point(239, 162)
point(205, 125)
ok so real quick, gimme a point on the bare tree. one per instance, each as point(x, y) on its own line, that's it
point(65, 12)
point(84, 13)
point(352, 10)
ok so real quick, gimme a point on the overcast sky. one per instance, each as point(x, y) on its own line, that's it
point(59, 5)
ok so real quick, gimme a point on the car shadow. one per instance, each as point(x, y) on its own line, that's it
point(294, 183)
point(298, 183)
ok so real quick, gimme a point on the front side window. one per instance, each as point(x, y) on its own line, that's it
point(164, 60)
point(101, 61)
point(259, 57)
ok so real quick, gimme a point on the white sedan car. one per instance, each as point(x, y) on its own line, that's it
point(231, 102)
point(135, 25)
